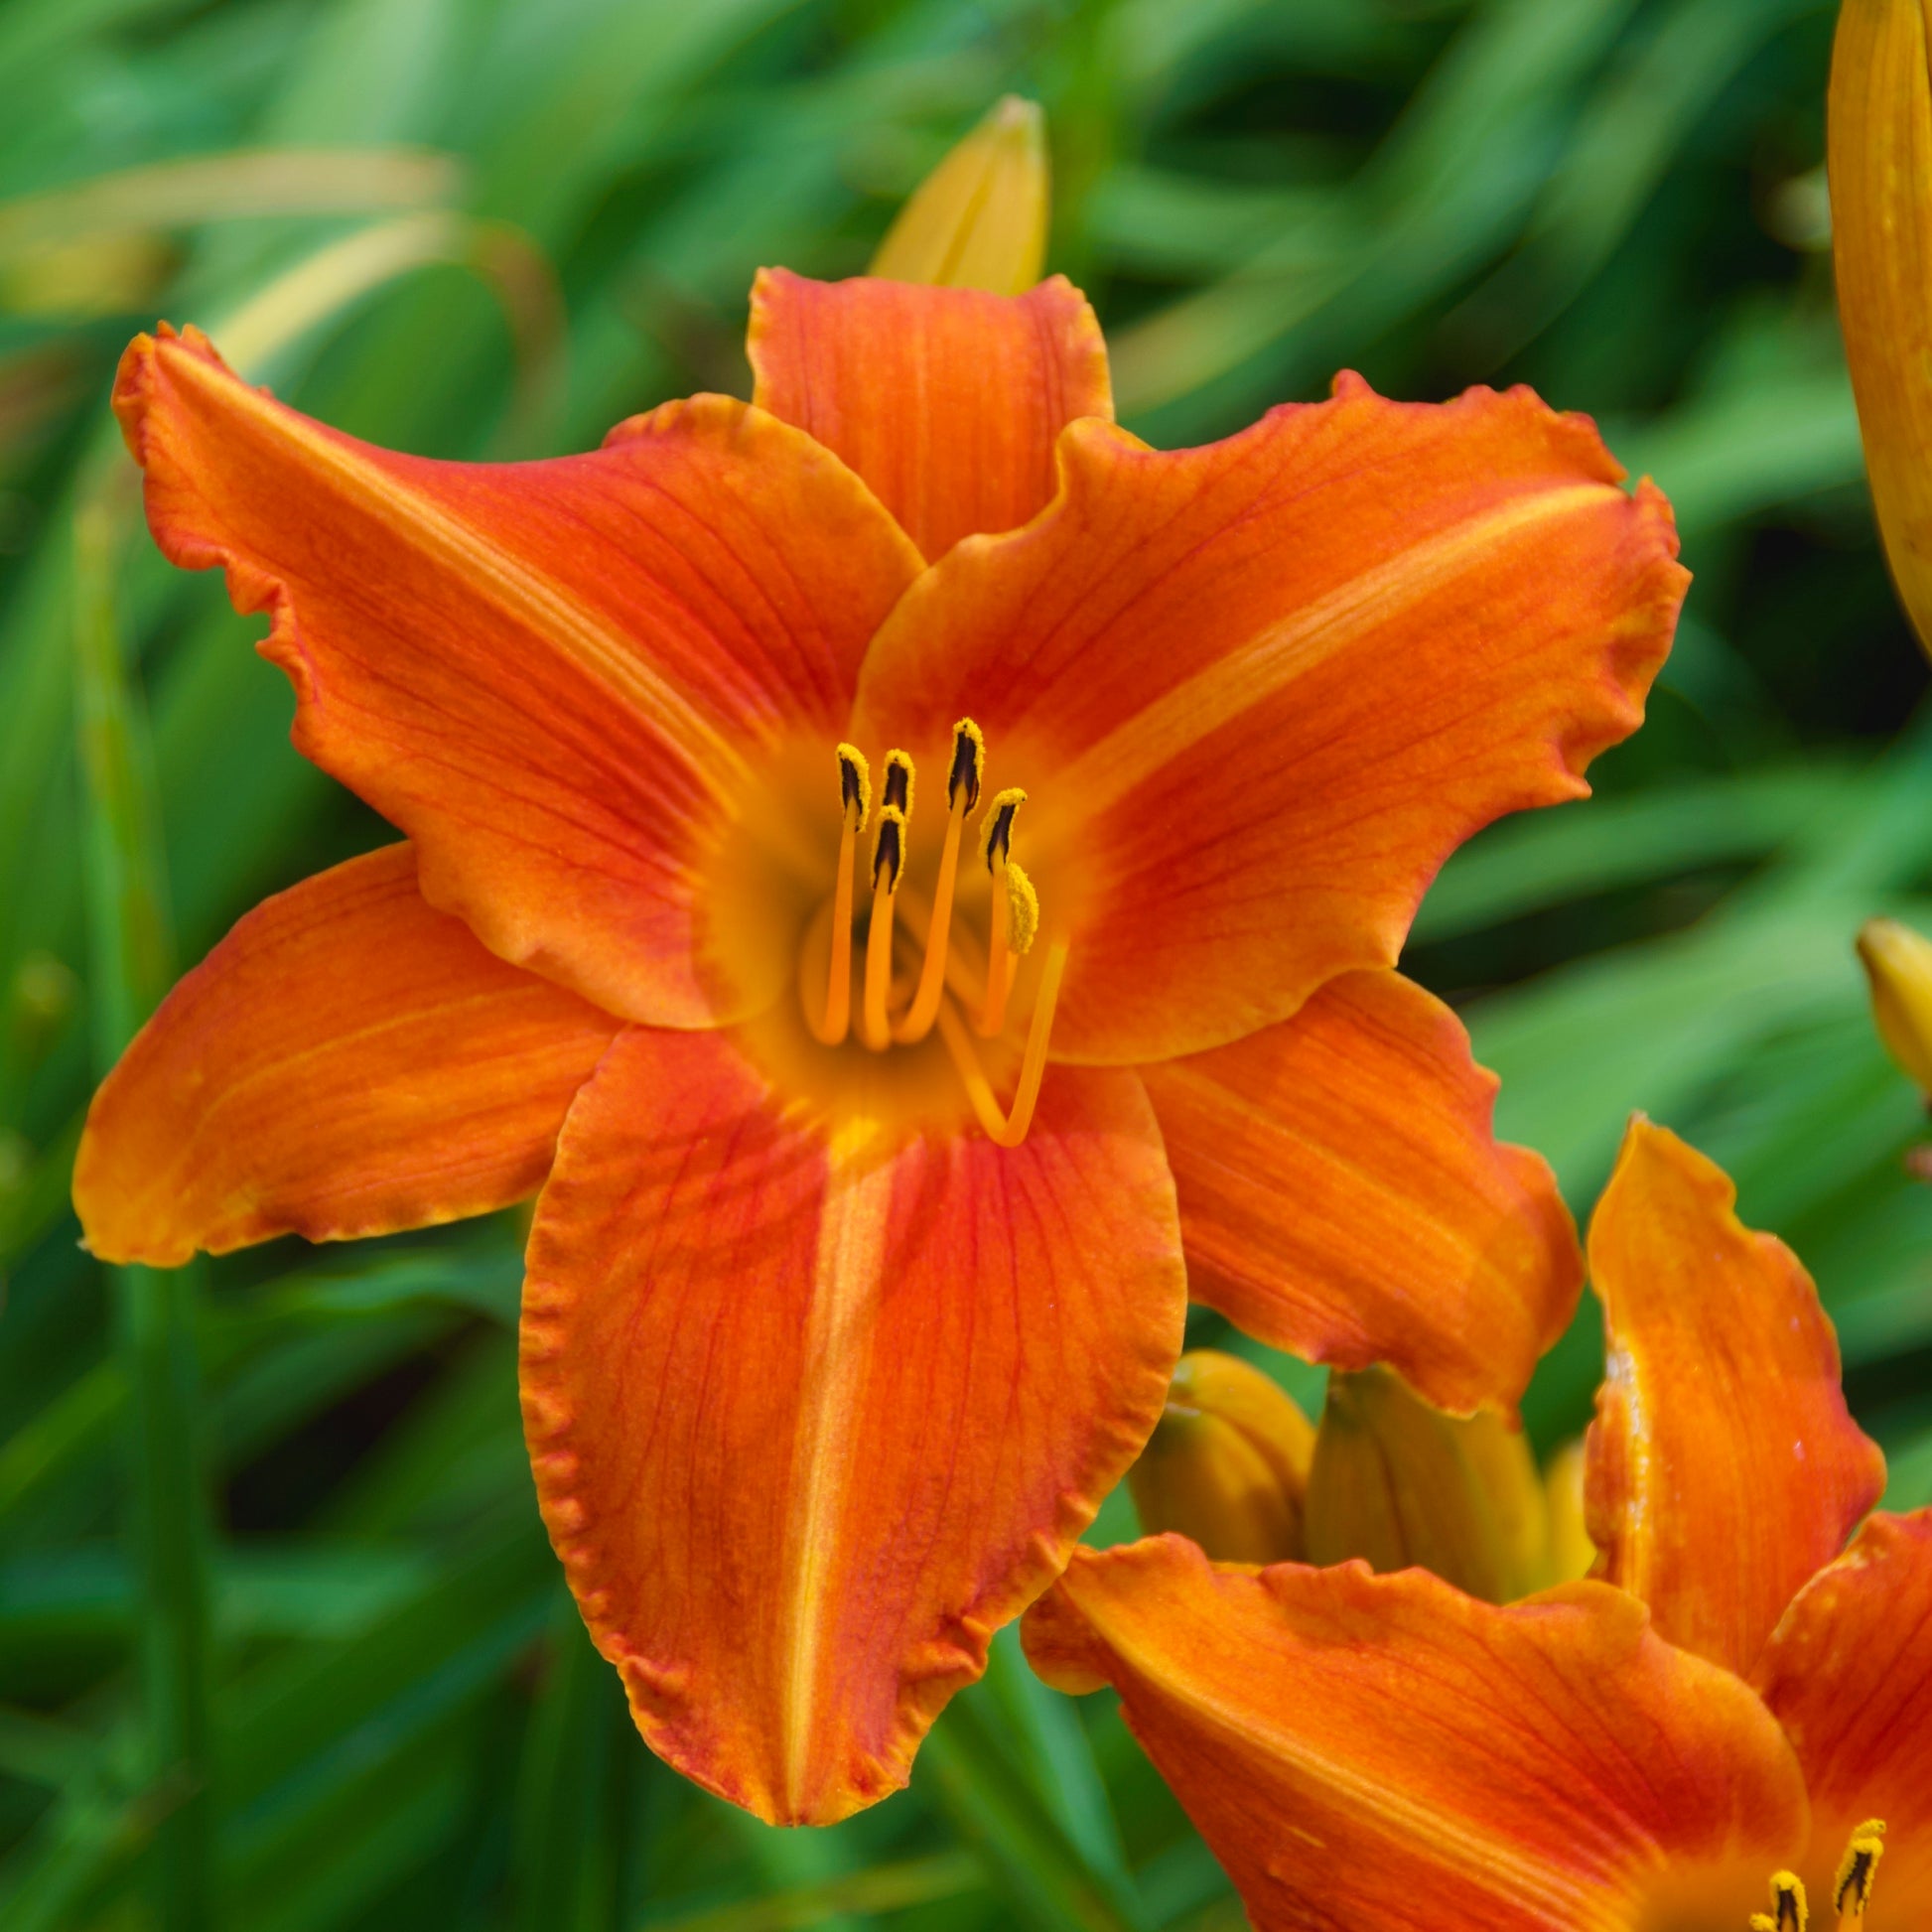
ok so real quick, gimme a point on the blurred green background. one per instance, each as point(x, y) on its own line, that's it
point(473, 227)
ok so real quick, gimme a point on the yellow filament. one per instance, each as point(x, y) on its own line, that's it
point(831, 1028)
point(874, 1028)
point(1008, 1128)
point(924, 1009)
point(999, 962)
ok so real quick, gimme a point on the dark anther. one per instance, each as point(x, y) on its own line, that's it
point(899, 783)
point(852, 786)
point(999, 836)
point(967, 755)
point(890, 853)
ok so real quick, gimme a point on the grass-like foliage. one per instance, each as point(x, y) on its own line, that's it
point(288, 1489)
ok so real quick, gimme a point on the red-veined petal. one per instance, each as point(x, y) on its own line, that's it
point(557, 678)
point(946, 400)
point(1723, 1464)
point(1344, 1196)
point(1258, 692)
point(345, 1063)
point(1365, 1750)
point(1848, 1674)
point(812, 1415)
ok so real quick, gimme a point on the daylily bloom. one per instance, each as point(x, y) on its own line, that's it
point(1880, 159)
point(1739, 1713)
point(873, 925)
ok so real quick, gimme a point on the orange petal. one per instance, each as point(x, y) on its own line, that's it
point(1848, 1674)
point(1723, 1464)
point(1342, 1196)
point(557, 678)
point(946, 400)
point(1258, 692)
point(345, 1062)
point(810, 1417)
point(1365, 1750)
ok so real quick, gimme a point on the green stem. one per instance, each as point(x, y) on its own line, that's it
point(129, 949)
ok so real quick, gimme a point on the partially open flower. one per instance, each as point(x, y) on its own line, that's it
point(1738, 1717)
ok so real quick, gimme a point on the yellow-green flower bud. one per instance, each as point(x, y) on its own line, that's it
point(1403, 1484)
point(979, 219)
point(1227, 1463)
point(1898, 963)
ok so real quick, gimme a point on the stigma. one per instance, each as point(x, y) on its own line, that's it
point(1850, 1889)
point(913, 982)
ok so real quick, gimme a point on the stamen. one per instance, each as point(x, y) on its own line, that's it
point(996, 848)
point(832, 1025)
point(888, 860)
point(962, 794)
point(1008, 1128)
point(1851, 1889)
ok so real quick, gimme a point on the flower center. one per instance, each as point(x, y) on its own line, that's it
point(1850, 1889)
point(907, 990)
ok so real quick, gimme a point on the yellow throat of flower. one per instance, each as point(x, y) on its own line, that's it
point(1717, 1899)
point(905, 984)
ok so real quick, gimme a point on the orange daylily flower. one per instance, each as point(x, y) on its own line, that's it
point(1739, 1712)
point(856, 1275)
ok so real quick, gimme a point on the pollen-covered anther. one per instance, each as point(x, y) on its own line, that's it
point(1851, 1888)
point(855, 786)
point(1789, 1912)
point(887, 849)
point(968, 766)
point(897, 788)
point(1022, 910)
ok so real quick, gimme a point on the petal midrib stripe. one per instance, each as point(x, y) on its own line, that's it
point(1137, 747)
point(522, 592)
point(846, 1267)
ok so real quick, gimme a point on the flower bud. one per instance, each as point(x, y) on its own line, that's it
point(979, 219)
point(1571, 1554)
point(1898, 963)
point(1227, 1463)
point(1879, 162)
point(1401, 1483)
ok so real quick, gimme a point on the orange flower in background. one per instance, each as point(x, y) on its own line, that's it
point(1742, 1710)
point(898, 863)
